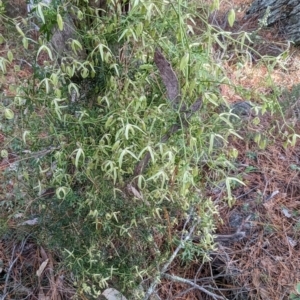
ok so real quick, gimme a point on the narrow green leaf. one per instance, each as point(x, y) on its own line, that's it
point(211, 143)
point(109, 121)
point(3, 63)
point(4, 153)
point(125, 151)
point(62, 192)
point(69, 71)
point(9, 114)
point(228, 188)
point(219, 42)
point(184, 61)
point(10, 56)
point(79, 153)
point(122, 35)
point(25, 133)
point(257, 138)
point(116, 146)
point(45, 48)
point(84, 73)
point(19, 101)
point(47, 85)
point(294, 139)
point(58, 93)
point(79, 15)
point(76, 45)
point(231, 17)
point(100, 47)
point(25, 42)
point(20, 30)
point(60, 22)
point(139, 28)
point(235, 133)
point(215, 5)
point(40, 12)
point(235, 179)
point(54, 79)
point(212, 98)
point(133, 34)
point(72, 86)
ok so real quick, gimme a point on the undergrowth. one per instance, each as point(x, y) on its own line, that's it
point(82, 123)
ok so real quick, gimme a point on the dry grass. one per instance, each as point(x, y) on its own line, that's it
point(27, 272)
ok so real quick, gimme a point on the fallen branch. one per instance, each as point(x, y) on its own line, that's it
point(11, 265)
point(193, 284)
point(181, 245)
point(169, 78)
point(226, 238)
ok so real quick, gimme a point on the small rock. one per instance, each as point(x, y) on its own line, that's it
point(242, 109)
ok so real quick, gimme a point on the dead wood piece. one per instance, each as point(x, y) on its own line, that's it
point(169, 78)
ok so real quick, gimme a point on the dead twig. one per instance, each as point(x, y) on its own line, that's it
point(193, 284)
point(11, 265)
point(181, 245)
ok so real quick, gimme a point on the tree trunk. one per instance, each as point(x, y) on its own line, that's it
point(286, 13)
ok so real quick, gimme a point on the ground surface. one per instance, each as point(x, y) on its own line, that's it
point(266, 262)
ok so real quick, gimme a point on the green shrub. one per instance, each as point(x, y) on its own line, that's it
point(87, 124)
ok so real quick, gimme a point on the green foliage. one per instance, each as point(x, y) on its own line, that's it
point(297, 295)
point(290, 99)
point(113, 226)
point(48, 16)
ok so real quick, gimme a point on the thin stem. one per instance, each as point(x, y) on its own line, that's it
point(166, 266)
point(11, 264)
point(196, 286)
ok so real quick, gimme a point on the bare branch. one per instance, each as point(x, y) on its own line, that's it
point(166, 266)
point(237, 236)
point(11, 264)
point(191, 283)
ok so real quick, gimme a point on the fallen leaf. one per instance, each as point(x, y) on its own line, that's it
point(292, 242)
point(113, 294)
point(30, 222)
point(286, 213)
point(42, 268)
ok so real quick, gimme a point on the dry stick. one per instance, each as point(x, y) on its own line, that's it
point(219, 238)
point(11, 264)
point(166, 266)
point(196, 286)
point(187, 222)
